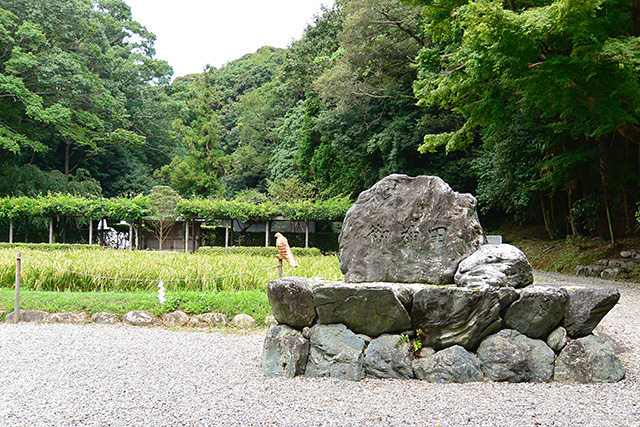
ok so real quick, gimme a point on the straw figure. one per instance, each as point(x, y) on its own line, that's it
point(284, 251)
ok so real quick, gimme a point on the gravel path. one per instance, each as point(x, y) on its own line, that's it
point(66, 375)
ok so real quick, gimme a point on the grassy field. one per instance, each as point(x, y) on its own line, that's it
point(85, 270)
point(120, 281)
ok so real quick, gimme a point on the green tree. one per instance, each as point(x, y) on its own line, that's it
point(163, 202)
point(566, 70)
point(71, 75)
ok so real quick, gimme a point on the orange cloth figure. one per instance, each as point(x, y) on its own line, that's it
point(284, 251)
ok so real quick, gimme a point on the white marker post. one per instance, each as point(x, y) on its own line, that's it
point(16, 308)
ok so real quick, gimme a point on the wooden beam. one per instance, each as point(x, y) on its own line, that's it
point(267, 231)
point(186, 236)
point(306, 234)
point(51, 233)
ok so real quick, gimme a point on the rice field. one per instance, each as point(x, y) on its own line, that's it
point(85, 270)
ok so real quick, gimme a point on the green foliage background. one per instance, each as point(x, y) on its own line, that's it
point(532, 107)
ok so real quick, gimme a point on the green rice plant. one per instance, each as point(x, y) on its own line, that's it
point(86, 270)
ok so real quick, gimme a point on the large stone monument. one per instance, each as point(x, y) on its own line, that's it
point(424, 297)
point(409, 230)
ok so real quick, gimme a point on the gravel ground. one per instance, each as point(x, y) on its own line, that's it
point(66, 375)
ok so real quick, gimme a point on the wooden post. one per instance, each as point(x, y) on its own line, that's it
point(279, 268)
point(195, 236)
point(16, 308)
point(267, 230)
point(226, 233)
point(51, 233)
point(91, 232)
point(131, 236)
point(11, 230)
point(306, 234)
point(186, 236)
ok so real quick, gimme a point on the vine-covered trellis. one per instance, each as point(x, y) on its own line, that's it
point(136, 209)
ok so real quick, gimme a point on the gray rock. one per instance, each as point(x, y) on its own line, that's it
point(617, 263)
point(557, 339)
point(66, 317)
point(586, 307)
point(140, 318)
point(291, 300)
point(104, 318)
point(371, 309)
point(336, 352)
point(630, 254)
point(209, 320)
point(28, 316)
point(408, 230)
point(387, 357)
point(513, 357)
point(176, 318)
point(589, 270)
point(611, 273)
point(243, 321)
point(451, 365)
point(538, 311)
point(497, 266)
point(285, 352)
point(270, 320)
point(507, 296)
point(589, 359)
point(449, 315)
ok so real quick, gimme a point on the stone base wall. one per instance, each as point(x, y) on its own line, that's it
point(438, 333)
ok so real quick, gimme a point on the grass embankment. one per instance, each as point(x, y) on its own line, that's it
point(564, 255)
point(196, 283)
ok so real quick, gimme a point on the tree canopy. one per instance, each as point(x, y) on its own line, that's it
point(531, 106)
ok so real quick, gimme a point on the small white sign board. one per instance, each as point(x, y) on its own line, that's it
point(494, 240)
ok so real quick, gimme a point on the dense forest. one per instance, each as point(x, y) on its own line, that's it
point(532, 106)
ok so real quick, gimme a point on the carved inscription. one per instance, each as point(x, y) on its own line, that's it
point(410, 234)
point(377, 234)
point(437, 236)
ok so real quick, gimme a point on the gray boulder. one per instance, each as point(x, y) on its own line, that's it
point(28, 316)
point(557, 339)
point(371, 309)
point(291, 300)
point(449, 315)
point(451, 365)
point(209, 320)
point(589, 359)
point(336, 352)
point(140, 318)
point(104, 318)
point(408, 230)
point(175, 319)
point(611, 273)
point(497, 266)
point(243, 321)
point(387, 357)
point(285, 352)
point(586, 307)
point(66, 317)
point(513, 357)
point(538, 311)
point(507, 296)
